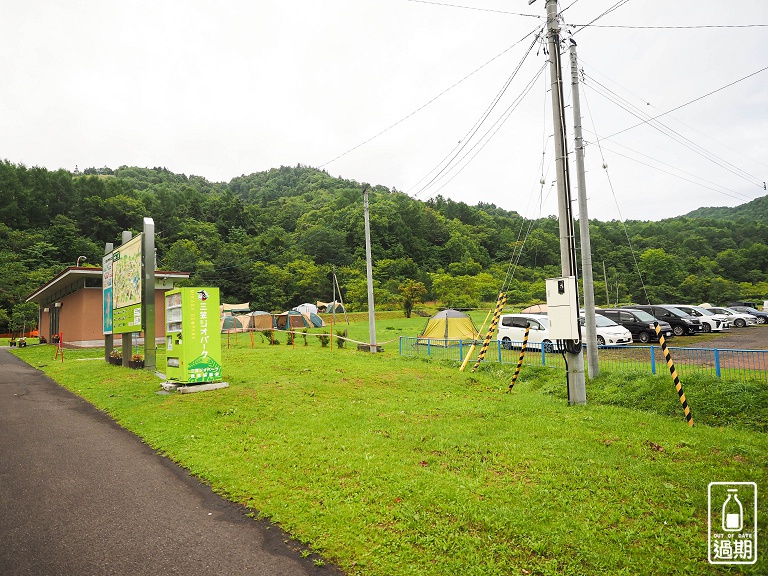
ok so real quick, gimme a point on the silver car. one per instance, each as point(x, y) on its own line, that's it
point(737, 319)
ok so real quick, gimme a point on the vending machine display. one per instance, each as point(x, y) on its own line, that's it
point(192, 339)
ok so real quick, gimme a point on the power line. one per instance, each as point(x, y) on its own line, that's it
point(567, 7)
point(485, 138)
point(472, 131)
point(691, 101)
point(474, 8)
point(616, 201)
point(736, 195)
point(644, 100)
point(673, 134)
point(669, 27)
point(616, 6)
point(420, 108)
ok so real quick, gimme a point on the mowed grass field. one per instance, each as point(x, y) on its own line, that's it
point(387, 466)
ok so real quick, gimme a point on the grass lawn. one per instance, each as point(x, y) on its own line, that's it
point(393, 466)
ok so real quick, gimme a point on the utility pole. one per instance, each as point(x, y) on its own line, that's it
point(593, 365)
point(574, 357)
point(369, 273)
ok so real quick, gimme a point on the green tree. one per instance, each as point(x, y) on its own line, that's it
point(24, 317)
point(5, 320)
point(411, 293)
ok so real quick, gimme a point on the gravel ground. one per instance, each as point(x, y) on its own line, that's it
point(749, 338)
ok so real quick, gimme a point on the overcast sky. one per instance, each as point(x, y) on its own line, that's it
point(225, 88)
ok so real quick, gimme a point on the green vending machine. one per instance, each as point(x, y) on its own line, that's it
point(192, 337)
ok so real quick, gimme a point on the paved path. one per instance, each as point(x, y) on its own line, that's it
point(79, 496)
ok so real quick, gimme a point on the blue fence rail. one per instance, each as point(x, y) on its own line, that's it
point(720, 362)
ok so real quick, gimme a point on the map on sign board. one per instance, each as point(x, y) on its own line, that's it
point(126, 287)
point(106, 267)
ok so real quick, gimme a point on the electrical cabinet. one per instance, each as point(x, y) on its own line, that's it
point(563, 308)
point(193, 343)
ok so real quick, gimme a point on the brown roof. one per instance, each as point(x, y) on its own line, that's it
point(69, 280)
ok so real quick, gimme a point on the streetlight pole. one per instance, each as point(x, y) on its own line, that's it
point(77, 263)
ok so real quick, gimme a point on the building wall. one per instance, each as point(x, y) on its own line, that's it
point(80, 318)
point(45, 324)
point(160, 314)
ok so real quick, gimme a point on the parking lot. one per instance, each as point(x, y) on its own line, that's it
point(750, 338)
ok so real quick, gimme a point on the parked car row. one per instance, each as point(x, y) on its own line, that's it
point(640, 323)
point(619, 326)
point(762, 317)
point(710, 321)
point(512, 331)
point(736, 318)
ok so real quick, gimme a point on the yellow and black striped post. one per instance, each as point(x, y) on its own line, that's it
point(522, 355)
point(673, 372)
point(491, 329)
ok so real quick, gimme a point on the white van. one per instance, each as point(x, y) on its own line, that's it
point(512, 331)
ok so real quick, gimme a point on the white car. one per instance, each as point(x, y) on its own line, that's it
point(710, 321)
point(608, 332)
point(512, 331)
point(738, 319)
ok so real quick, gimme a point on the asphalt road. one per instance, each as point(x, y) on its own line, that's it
point(79, 496)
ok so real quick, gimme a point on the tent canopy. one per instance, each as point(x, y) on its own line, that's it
point(306, 308)
point(330, 307)
point(450, 325)
point(234, 309)
point(314, 319)
point(535, 309)
point(290, 320)
point(231, 324)
point(260, 320)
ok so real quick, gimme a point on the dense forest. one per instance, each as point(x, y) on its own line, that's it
point(274, 239)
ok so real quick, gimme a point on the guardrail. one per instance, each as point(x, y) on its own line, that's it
point(720, 362)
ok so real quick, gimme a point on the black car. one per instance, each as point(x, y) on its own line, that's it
point(638, 322)
point(762, 317)
point(682, 324)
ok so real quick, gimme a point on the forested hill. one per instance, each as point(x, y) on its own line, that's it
point(273, 238)
point(756, 210)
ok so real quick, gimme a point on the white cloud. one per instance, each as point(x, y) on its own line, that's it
point(227, 88)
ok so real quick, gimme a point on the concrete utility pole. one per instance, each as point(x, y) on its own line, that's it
point(586, 245)
point(574, 357)
point(369, 273)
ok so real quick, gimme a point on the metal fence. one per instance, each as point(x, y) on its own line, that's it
point(720, 362)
